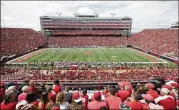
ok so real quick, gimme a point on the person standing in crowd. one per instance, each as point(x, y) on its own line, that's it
point(29, 104)
point(151, 91)
point(23, 95)
point(85, 98)
point(97, 103)
point(113, 101)
point(166, 101)
point(26, 82)
point(32, 87)
point(158, 84)
point(42, 86)
point(133, 102)
point(9, 102)
point(52, 96)
point(66, 91)
point(60, 99)
point(148, 102)
point(141, 90)
point(105, 91)
point(57, 87)
point(76, 102)
point(45, 102)
point(31, 99)
point(67, 94)
point(2, 91)
point(124, 92)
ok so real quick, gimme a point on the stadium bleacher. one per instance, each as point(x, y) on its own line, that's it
point(159, 41)
point(70, 41)
point(20, 41)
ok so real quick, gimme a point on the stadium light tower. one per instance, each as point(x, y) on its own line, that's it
point(76, 14)
point(59, 14)
point(113, 14)
point(96, 14)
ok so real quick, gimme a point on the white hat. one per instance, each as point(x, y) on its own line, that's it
point(11, 88)
point(169, 82)
point(21, 103)
point(165, 90)
point(25, 88)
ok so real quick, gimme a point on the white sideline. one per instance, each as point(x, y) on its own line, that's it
point(163, 61)
point(24, 56)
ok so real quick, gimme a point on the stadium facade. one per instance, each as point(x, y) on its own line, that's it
point(85, 25)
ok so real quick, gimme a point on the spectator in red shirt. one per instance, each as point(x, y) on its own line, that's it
point(51, 95)
point(57, 87)
point(113, 101)
point(9, 102)
point(151, 91)
point(85, 98)
point(2, 91)
point(124, 93)
point(32, 87)
point(170, 90)
point(97, 103)
point(165, 100)
point(92, 97)
point(105, 91)
point(23, 95)
point(133, 102)
point(148, 103)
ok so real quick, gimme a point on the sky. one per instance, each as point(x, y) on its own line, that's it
point(144, 14)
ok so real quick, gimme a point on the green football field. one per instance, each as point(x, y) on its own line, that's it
point(92, 55)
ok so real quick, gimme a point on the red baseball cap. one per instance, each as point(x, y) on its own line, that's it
point(150, 85)
point(97, 94)
point(175, 85)
point(147, 97)
point(76, 97)
point(168, 87)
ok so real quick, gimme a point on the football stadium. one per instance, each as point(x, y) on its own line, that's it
point(87, 61)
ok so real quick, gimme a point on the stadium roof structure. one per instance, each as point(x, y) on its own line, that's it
point(84, 17)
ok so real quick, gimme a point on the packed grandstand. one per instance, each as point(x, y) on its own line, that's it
point(78, 85)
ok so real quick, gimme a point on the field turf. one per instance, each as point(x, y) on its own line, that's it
point(91, 55)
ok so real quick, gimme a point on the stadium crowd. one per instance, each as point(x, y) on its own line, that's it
point(130, 75)
point(71, 41)
point(159, 41)
point(20, 40)
point(86, 32)
point(29, 96)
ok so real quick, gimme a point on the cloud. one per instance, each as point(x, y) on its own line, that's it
point(85, 10)
point(145, 14)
